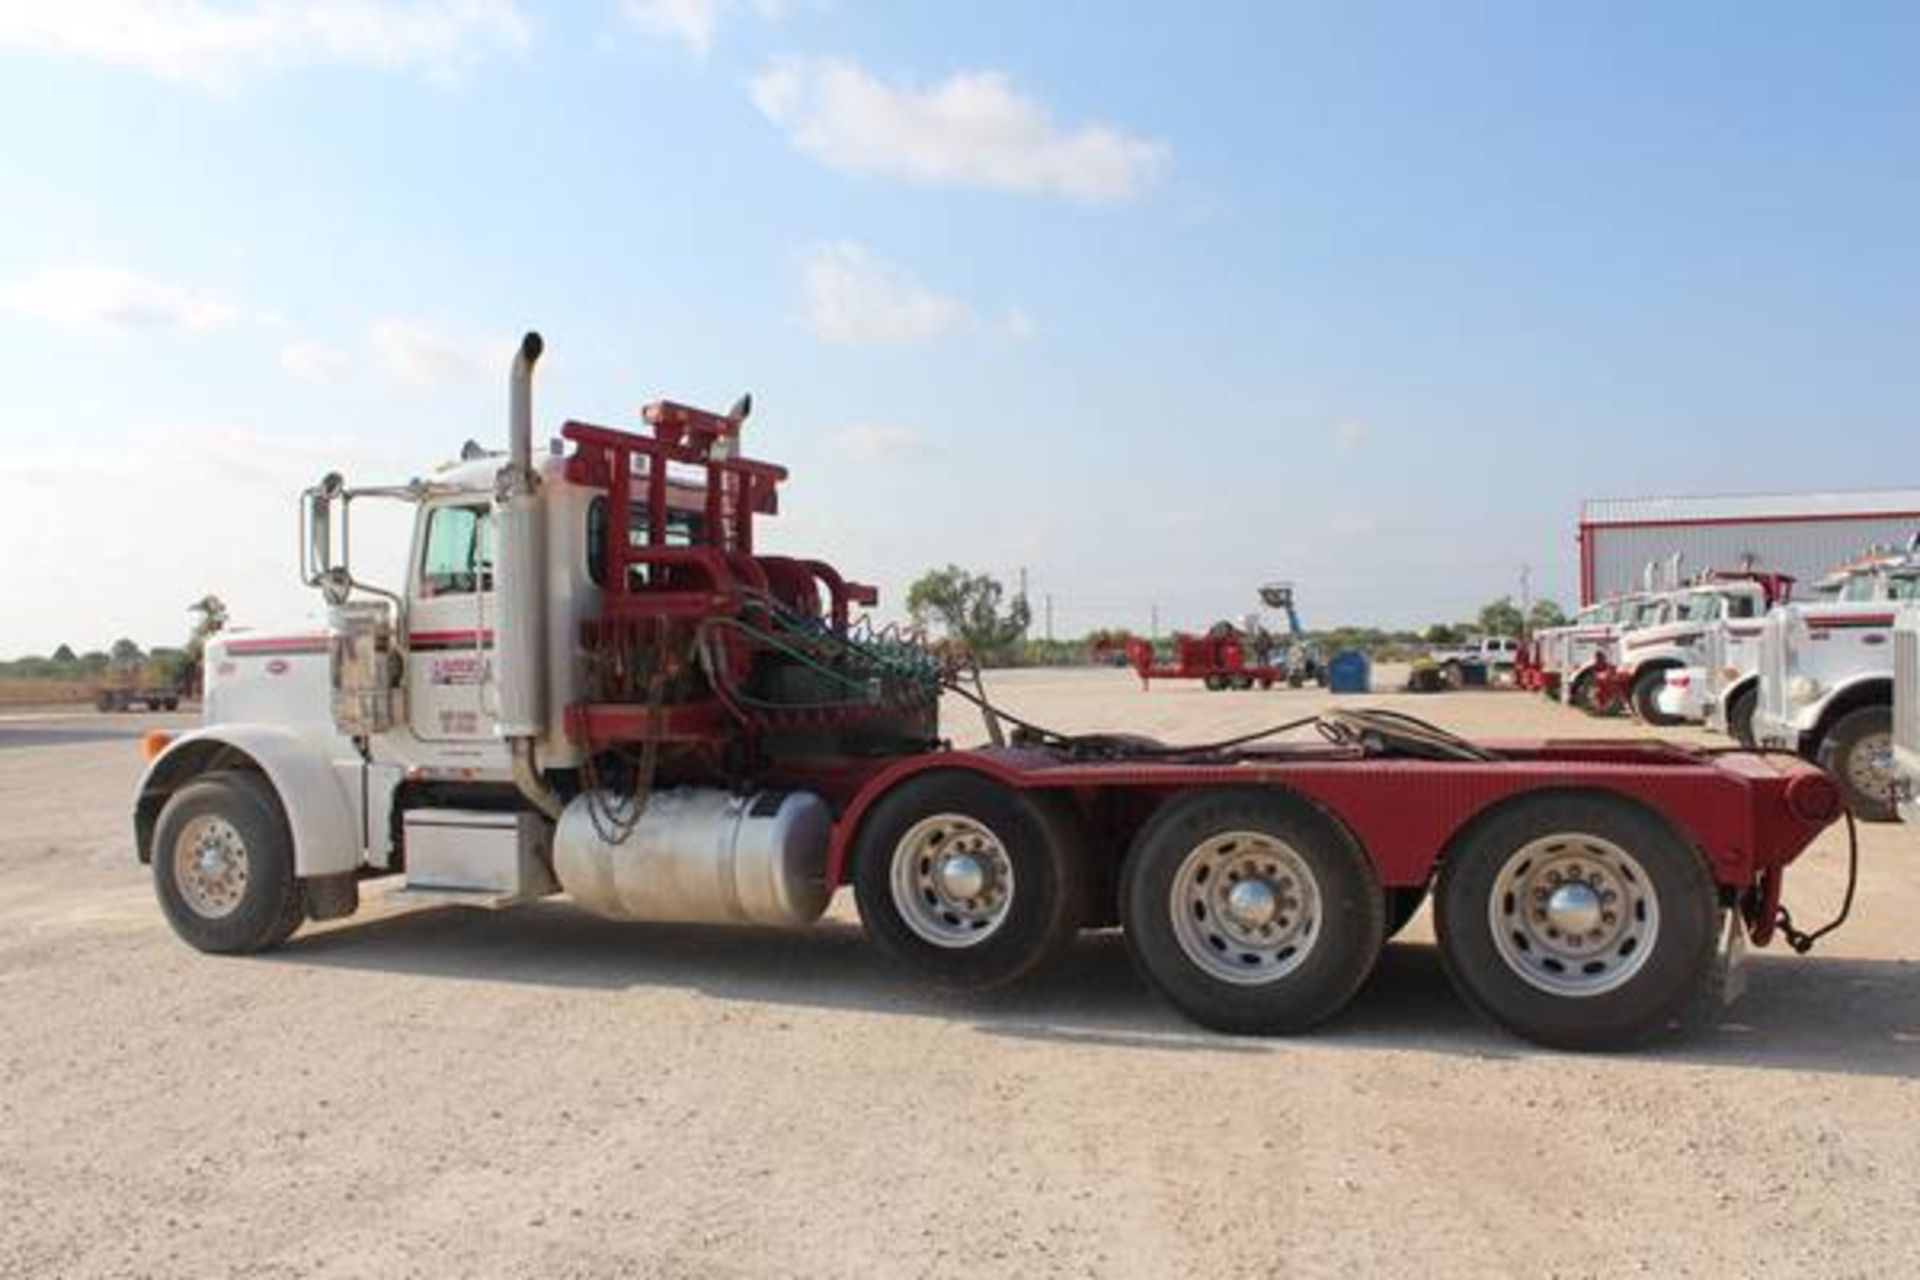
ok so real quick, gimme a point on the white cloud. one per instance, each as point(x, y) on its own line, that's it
point(879, 442)
point(1018, 325)
point(417, 356)
point(311, 362)
point(1351, 437)
point(693, 23)
point(854, 298)
point(973, 129)
point(106, 301)
point(211, 46)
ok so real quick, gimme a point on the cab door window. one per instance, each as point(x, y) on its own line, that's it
point(458, 559)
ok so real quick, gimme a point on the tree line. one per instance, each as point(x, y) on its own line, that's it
point(973, 612)
point(161, 665)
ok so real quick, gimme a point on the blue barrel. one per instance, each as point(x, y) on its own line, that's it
point(1350, 671)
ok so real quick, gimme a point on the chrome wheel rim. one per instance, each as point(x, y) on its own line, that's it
point(952, 880)
point(1870, 766)
point(210, 866)
point(1574, 915)
point(1245, 907)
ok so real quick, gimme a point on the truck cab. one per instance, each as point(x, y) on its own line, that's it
point(1664, 666)
point(1825, 680)
point(1593, 683)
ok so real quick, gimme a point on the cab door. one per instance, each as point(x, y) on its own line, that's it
point(449, 633)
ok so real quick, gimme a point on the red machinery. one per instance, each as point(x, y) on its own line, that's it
point(1224, 658)
point(736, 742)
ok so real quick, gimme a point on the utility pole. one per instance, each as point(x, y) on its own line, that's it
point(1049, 600)
point(1154, 634)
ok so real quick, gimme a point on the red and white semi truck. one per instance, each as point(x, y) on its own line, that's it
point(595, 680)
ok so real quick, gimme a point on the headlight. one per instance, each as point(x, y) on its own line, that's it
point(1803, 689)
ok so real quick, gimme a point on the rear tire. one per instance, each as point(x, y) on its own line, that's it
point(1740, 716)
point(1579, 921)
point(1645, 697)
point(1215, 684)
point(1250, 912)
point(223, 865)
point(1857, 752)
point(937, 837)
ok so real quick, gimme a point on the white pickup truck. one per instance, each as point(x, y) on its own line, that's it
point(1825, 687)
point(1493, 653)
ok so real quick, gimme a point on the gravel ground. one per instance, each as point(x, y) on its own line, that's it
point(534, 1092)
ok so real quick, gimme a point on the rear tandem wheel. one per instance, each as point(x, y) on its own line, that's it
point(1579, 920)
point(1251, 912)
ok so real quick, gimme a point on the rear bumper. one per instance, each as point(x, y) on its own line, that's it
point(1684, 693)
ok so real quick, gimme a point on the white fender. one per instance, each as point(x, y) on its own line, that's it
point(322, 811)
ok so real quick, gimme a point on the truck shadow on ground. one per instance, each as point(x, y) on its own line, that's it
point(1856, 1017)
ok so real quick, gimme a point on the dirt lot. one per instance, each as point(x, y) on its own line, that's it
point(538, 1093)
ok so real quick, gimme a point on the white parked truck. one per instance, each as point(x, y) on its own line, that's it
point(1662, 666)
point(1825, 686)
point(1565, 651)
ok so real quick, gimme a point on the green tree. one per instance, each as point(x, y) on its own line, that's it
point(1502, 617)
point(126, 651)
point(1544, 614)
point(967, 608)
point(209, 617)
point(1443, 633)
point(64, 655)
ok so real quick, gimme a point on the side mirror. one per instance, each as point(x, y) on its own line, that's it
point(317, 565)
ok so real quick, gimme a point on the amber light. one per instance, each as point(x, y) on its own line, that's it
point(153, 742)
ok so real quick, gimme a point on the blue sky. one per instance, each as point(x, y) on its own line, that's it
point(1158, 301)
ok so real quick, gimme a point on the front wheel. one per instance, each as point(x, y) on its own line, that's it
point(1578, 921)
point(1857, 752)
point(1646, 699)
point(1251, 913)
point(223, 865)
point(966, 881)
point(1740, 716)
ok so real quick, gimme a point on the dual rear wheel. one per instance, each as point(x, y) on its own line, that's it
point(1576, 920)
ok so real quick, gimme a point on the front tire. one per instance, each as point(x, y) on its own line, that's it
point(1251, 913)
point(1578, 921)
point(965, 881)
point(1740, 716)
point(1646, 699)
point(1857, 752)
point(223, 865)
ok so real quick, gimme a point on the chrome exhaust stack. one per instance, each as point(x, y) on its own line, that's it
point(520, 650)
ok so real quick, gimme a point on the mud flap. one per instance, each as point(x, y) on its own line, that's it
point(1730, 960)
